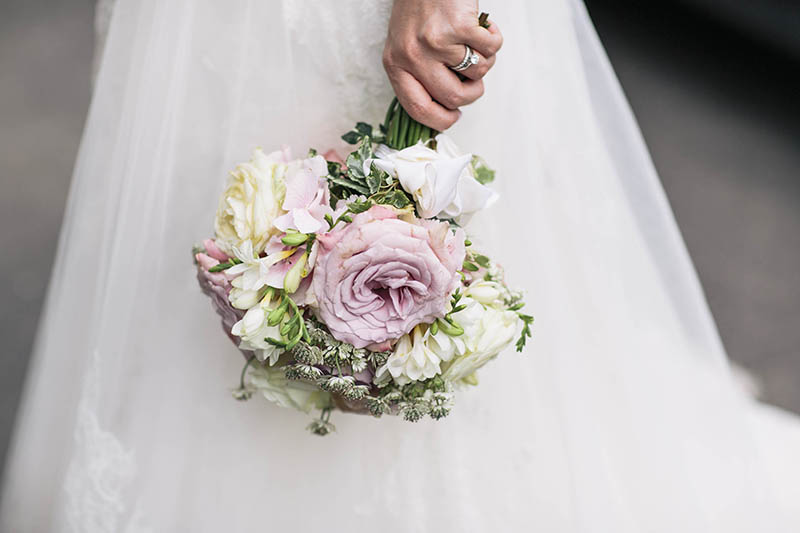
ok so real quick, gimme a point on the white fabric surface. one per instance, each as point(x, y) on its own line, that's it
point(621, 416)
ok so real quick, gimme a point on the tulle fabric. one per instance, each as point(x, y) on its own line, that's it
point(621, 415)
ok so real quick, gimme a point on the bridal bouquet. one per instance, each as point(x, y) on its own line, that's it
point(350, 284)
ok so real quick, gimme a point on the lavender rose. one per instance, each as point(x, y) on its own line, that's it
point(382, 275)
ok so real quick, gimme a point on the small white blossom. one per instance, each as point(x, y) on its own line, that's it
point(250, 276)
point(253, 329)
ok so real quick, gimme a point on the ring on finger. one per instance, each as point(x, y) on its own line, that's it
point(470, 58)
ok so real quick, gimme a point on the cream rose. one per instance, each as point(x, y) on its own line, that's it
point(251, 202)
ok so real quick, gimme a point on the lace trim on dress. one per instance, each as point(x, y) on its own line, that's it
point(100, 471)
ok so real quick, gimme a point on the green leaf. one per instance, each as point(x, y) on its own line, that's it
point(349, 184)
point(351, 137)
point(400, 200)
point(483, 174)
point(364, 129)
point(527, 320)
point(374, 182)
point(359, 206)
point(365, 149)
point(355, 167)
point(334, 168)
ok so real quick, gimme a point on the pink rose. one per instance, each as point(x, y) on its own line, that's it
point(380, 276)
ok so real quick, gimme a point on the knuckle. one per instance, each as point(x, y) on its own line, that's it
point(451, 99)
point(430, 39)
point(416, 109)
point(479, 70)
point(410, 52)
point(464, 23)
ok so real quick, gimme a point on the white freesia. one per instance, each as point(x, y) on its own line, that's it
point(490, 293)
point(251, 202)
point(273, 384)
point(413, 358)
point(250, 276)
point(253, 329)
point(441, 181)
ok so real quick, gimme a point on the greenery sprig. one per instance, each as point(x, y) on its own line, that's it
point(527, 321)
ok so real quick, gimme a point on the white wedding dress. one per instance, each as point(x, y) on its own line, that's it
point(620, 417)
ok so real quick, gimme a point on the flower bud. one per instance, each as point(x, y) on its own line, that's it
point(276, 315)
point(294, 239)
point(450, 328)
point(292, 280)
point(485, 292)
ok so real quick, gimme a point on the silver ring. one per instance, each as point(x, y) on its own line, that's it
point(470, 58)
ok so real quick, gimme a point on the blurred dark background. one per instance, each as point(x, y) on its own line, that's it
point(712, 83)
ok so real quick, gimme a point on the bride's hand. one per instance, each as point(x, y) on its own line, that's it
point(425, 36)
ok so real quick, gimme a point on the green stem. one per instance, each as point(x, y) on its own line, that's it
point(395, 129)
point(389, 114)
point(404, 123)
point(403, 131)
point(244, 371)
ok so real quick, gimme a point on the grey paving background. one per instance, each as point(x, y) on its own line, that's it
point(712, 93)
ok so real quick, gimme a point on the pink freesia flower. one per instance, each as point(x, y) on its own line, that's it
point(380, 276)
point(307, 198)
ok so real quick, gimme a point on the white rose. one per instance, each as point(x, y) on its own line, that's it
point(441, 181)
point(251, 202)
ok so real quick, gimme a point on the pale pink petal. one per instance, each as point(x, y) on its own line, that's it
point(304, 222)
point(301, 189)
point(213, 250)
